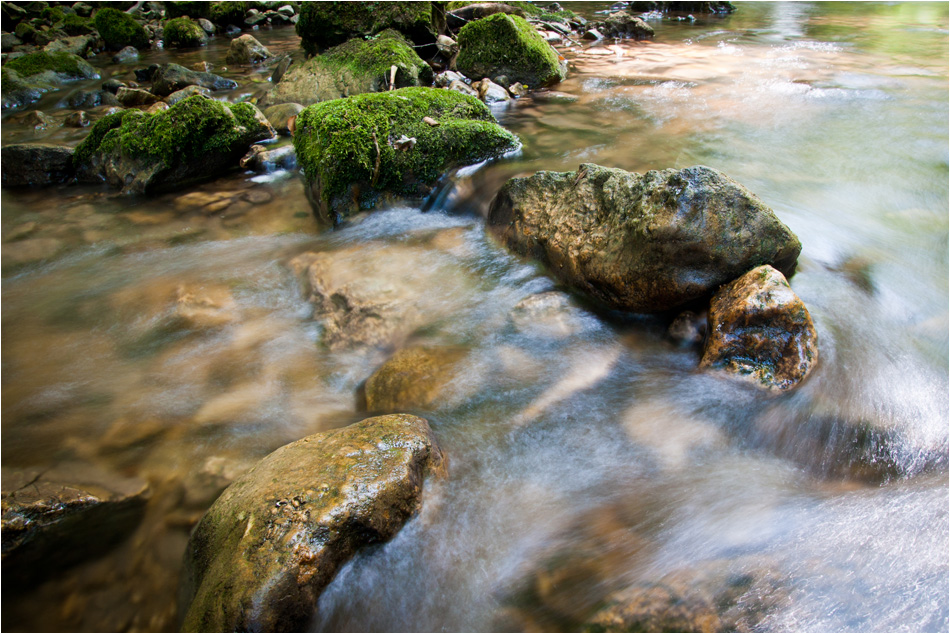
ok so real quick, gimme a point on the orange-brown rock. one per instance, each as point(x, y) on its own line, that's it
point(760, 330)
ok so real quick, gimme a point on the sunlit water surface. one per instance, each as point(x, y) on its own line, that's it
point(598, 442)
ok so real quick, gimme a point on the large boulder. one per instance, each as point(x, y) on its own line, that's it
point(507, 45)
point(195, 140)
point(35, 164)
point(169, 78)
point(360, 150)
point(355, 67)
point(54, 517)
point(246, 50)
point(325, 24)
point(644, 243)
point(118, 29)
point(760, 331)
point(262, 554)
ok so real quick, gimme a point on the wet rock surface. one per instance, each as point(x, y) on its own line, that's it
point(35, 164)
point(263, 553)
point(246, 50)
point(56, 517)
point(761, 332)
point(168, 78)
point(642, 243)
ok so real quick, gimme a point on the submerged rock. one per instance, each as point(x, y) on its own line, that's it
point(351, 159)
point(55, 517)
point(641, 243)
point(195, 140)
point(246, 50)
point(413, 378)
point(507, 45)
point(353, 68)
point(325, 24)
point(168, 78)
point(263, 553)
point(35, 164)
point(760, 331)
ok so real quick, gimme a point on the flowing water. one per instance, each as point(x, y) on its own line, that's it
point(167, 339)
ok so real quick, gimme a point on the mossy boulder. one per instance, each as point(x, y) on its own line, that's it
point(355, 67)
point(74, 24)
point(266, 549)
point(760, 331)
point(169, 78)
point(325, 24)
point(26, 78)
point(227, 13)
point(184, 33)
point(507, 45)
point(643, 243)
point(193, 10)
point(359, 150)
point(195, 140)
point(118, 29)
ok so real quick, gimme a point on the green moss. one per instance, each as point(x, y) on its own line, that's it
point(225, 13)
point(41, 61)
point(93, 141)
point(53, 15)
point(191, 128)
point(183, 33)
point(119, 29)
point(76, 25)
point(341, 142)
point(507, 45)
point(193, 10)
point(324, 24)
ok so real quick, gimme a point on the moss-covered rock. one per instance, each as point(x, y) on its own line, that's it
point(507, 45)
point(264, 552)
point(119, 29)
point(325, 24)
point(184, 33)
point(26, 78)
point(355, 67)
point(357, 149)
point(65, 65)
point(760, 331)
point(643, 243)
point(194, 140)
point(518, 7)
point(74, 24)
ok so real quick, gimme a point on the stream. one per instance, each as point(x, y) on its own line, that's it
point(587, 452)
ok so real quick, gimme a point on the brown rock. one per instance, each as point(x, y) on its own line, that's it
point(263, 553)
point(412, 378)
point(760, 331)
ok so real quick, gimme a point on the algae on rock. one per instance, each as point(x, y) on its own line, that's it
point(351, 153)
point(355, 67)
point(507, 45)
point(184, 33)
point(325, 24)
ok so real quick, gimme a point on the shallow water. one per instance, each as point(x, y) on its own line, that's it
point(586, 455)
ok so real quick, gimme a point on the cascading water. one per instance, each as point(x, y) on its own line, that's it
point(167, 339)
